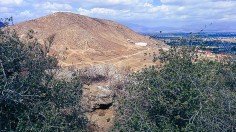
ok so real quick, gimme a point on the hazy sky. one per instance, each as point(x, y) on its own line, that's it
point(186, 14)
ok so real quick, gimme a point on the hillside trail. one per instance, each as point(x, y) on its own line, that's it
point(127, 56)
point(119, 59)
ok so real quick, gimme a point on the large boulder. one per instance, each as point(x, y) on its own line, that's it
point(97, 97)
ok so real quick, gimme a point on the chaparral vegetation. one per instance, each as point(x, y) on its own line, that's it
point(185, 94)
point(31, 98)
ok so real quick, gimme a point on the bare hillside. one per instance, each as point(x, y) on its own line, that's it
point(83, 41)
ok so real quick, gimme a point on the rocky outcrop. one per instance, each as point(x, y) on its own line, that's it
point(97, 97)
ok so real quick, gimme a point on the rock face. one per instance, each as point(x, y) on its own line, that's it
point(83, 41)
point(97, 97)
point(98, 101)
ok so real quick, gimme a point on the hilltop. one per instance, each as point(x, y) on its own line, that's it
point(82, 41)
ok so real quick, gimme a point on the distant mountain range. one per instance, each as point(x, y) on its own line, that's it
point(2, 24)
point(146, 29)
point(215, 27)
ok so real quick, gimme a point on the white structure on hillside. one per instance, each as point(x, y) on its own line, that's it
point(141, 44)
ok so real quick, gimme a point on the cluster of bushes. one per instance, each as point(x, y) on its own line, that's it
point(31, 99)
point(185, 94)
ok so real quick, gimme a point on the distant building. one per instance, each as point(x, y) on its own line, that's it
point(141, 44)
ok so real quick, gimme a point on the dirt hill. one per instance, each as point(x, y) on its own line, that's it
point(97, 47)
point(83, 41)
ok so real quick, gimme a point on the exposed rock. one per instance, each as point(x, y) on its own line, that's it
point(130, 41)
point(97, 97)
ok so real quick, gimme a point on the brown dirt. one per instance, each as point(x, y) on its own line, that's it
point(83, 41)
point(103, 119)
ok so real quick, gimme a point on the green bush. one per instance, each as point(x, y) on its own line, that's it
point(31, 98)
point(185, 94)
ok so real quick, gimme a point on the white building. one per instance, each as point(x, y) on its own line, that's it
point(141, 44)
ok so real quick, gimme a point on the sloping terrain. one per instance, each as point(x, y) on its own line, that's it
point(83, 41)
point(97, 47)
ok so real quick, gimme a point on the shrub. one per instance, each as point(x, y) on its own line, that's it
point(186, 94)
point(31, 99)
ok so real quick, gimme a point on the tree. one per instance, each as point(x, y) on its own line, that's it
point(186, 94)
point(31, 98)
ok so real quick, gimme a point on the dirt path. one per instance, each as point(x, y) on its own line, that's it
point(127, 56)
point(116, 60)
